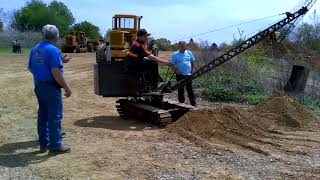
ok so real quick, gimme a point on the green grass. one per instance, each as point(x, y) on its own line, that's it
point(5, 50)
point(241, 89)
point(167, 73)
point(8, 50)
point(311, 103)
point(226, 86)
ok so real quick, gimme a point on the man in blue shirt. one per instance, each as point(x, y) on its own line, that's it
point(183, 61)
point(46, 65)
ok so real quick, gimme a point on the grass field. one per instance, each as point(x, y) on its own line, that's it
point(9, 50)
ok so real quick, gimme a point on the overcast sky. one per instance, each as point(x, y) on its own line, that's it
point(176, 19)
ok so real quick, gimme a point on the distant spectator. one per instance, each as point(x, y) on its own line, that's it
point(14, 46)
point(153, 47)
point(18, 46)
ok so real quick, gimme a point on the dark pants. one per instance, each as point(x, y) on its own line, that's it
point(191, 96)
point(49, 114)
point(18, 49)
point(14, 48)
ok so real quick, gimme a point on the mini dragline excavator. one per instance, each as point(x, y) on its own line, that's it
point(140, 94)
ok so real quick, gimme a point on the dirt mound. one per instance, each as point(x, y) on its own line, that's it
point(282, 112)
point(272, 123)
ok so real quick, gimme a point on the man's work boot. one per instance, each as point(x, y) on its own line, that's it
point(61, 150)
point(43, 149)
point(193, 103)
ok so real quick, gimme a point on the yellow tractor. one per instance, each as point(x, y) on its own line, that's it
point(78, 42)
point(123, 33)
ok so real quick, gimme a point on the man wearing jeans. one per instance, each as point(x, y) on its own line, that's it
point(183, 61)
point(46, 65)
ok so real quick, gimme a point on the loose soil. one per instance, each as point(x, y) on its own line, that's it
point(278, 128)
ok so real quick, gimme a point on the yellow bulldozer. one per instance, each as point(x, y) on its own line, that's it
point(123, 33)
point(79, 43)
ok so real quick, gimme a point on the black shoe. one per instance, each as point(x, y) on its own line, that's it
point(61, 150)
point(43, 150)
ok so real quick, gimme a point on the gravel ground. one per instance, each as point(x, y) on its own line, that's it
point(107, 147)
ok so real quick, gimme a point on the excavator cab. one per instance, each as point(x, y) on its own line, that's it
point(123, 33)
point(81, 38)
point(126, 22)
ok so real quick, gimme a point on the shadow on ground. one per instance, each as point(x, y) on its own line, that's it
point(21, 154)
point(113, 123)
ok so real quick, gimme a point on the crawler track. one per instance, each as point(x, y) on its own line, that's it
point(155, 111)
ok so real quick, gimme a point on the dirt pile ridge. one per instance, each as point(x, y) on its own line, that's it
point(273, 125)
point(282, 112)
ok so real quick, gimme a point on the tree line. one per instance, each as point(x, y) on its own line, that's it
point(35, 14)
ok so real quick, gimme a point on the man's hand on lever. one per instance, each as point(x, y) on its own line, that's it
point(158, 60)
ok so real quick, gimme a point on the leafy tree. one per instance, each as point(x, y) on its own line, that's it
point(204, 45)
point(305, 33)
point(1, 26)
point(5, 17)
point(174, 47)
point(35, 14)
point(89, 29)
point(224, 47)
point(214, 47)
point(30, 16)
point(191, 42)
point(61, 9)
point(64, 18)
point(1, 17)
point(308, 36)
point(163, 44)
point(107, 34)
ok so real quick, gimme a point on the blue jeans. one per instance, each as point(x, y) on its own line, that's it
point(49, 114)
